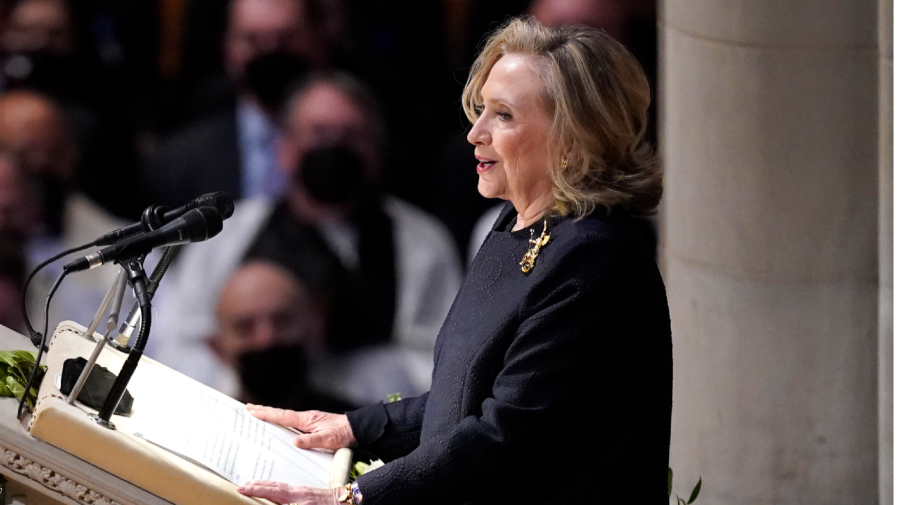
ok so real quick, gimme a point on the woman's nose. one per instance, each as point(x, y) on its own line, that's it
point(478, 134)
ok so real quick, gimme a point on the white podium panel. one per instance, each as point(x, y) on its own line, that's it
point(75, 460)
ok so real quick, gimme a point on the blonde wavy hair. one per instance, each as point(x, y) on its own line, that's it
point(597, 96)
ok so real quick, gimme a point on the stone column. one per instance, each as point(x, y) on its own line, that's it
point(886, 271)
point(769, 247)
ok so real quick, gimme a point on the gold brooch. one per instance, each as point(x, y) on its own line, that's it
point(529, 259)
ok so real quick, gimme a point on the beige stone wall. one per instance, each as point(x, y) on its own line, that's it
point(769, 243)
point(886, 267)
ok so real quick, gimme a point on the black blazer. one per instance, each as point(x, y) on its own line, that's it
point(548, 387)
point(201, 158)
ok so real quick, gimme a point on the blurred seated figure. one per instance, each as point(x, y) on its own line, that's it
point(14, 219)
point(37, 170)
point(18, 200)
point(270, 329)
point(387, 271)
point(44, 48)
point(268, 44)
point(12, 277)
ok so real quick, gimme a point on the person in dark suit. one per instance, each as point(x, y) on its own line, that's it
point(552, 378)
point(267, 45)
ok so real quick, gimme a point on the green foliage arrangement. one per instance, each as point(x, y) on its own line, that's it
point(679, 501)
point(15, 367)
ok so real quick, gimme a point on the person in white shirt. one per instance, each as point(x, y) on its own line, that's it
point(387, 270)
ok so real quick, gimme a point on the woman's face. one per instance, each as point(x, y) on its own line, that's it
point(511, 135)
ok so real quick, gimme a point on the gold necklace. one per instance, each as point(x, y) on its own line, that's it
point(529, 259)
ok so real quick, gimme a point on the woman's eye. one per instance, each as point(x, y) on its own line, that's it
point(478, 109)
point(504, 116)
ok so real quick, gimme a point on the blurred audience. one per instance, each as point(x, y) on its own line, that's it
point(44, 47)
point(18, 201)
point(387, 271)
point(88, 86)
point(40, 26)
point(270, 330)
point(12, 277)
point(205, 25)
point(17, 209)
point(267, 45)
point(51, 215)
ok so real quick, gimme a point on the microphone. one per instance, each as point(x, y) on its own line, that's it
point(218, 200)
point(195, 225)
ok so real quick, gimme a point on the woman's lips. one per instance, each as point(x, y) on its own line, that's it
point(485, 165)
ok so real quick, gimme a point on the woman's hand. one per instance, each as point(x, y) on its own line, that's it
point(280, 492)
point(323, 430)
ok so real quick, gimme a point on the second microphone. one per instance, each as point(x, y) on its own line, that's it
point(195, 225)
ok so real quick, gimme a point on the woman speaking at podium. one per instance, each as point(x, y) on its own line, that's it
point(552, 372)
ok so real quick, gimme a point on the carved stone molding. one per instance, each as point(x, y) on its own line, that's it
point(52, 480)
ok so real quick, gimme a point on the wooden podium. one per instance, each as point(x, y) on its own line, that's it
point(59, 455)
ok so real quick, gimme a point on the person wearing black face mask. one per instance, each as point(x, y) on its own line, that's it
point(232, 145)
point(269, 328)
point(333, 174)
point(388, 271)
point(347, 231)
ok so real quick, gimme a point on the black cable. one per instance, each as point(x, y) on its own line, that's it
point(35, 337)
point(42, 345)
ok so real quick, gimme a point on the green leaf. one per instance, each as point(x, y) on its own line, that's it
point(669, 481)
point(680, 501)
point(695, 491)
point(8, 358)
point(29, 356)
point(15, 369)
point(17, 389)
point(12, 358)
point(19, 373)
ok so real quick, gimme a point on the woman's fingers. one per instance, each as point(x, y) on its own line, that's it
point(277, 492)
point(280, 492)
point(321, 440)
point(323, 430)
point(283, 417)
point(264, 483)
